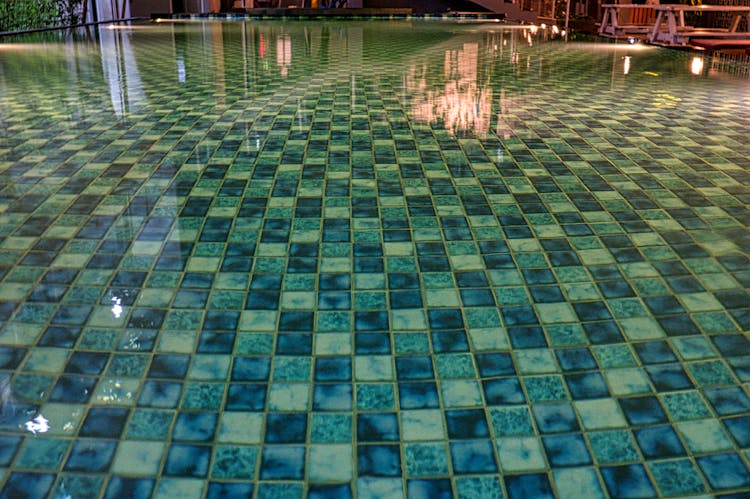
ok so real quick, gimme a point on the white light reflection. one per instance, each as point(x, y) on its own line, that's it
point(117, 307)
point(626, 64)
point(39, 424)
point(696, 66)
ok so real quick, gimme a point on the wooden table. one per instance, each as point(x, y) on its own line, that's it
point(670, 29)
point(639, 19)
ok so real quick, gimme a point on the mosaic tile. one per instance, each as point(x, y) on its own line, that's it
point(211, 290)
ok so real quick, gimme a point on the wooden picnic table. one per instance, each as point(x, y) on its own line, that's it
point(625, 19)
point(669, 27)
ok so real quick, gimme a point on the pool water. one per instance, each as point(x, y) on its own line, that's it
point(371, 259)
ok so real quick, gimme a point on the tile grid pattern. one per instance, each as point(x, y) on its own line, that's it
point(322, 295)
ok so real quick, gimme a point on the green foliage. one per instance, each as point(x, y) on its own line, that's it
point(18, 15)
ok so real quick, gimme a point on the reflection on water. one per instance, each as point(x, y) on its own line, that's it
point(462, 104)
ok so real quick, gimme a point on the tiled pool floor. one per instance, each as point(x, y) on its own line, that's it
point(371, 259)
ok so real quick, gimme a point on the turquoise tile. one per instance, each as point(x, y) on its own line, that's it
point(676, 477)
point(426, 459)
point(350, 182)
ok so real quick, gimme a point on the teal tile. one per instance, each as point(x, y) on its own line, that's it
point(545, 388)
point(478, 486)
point(678, 477)
point(237, 462)
point(375, 396)
point(331, 428)
point(511, 421)
point(42, 453)
point(428, 459)
point(683, 406)
point(613, 447)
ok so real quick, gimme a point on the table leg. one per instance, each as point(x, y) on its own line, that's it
point(735, 23)
point(653, 37)
point(672, 23)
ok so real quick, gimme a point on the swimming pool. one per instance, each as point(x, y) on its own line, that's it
point(371, 259)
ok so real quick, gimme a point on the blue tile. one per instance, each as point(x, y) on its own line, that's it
point(494, 364)
point(332, 397)
point(172, 366)
point(445, 319)
point(566, 450)
point(27, 485)
point(251, 368)
point(73, 389)
point(91, 455)
point(420, 395)
point(216, 342)
point(333, 369)
point(728, 401)
point(739, 427)
point(370, 321)
point(592, 311)
point(377, 427)
point(602, 333)
point(473, 456)
point(135, 488)
point(668, 377)
point(527, 337)
point(535, 485)
point(334, 491)
point(449, 341)
point(294, 344)
point(659, 442)
point(285, 428)
point(466, 424)
point(11, 357)
point(732, 344)
point(414, 367)
point(186, 460)
point(642, 410)
point(282, 462)
point(8, 446)
point(629, 481)
point(372, 343)
point(195, 426)
point(575, 359)
point(106, 422)
point(519, 316)
point(86, 363)
point(378, 460)
point(296, 321)
point(654, 352)
point(555, 417)
point(724, 471)
point(503, 391)
point(586, 386)
point(246, 396)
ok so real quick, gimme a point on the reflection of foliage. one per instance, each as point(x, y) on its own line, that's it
point(17, 15)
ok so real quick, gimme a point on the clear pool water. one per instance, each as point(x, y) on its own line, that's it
point(371, 259)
